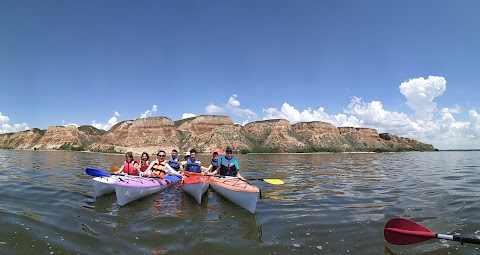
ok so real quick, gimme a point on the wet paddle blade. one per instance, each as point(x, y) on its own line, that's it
point(274, 181)
point(96, 172)
point(402, 231)
point(114, 168)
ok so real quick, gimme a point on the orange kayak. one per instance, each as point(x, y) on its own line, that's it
point(237, 191)
point(195, 185)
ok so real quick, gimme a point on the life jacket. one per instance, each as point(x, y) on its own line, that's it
point(143, 167)
point(173, 162)
point(193, 166)
point(129, 168)
point(228, 167)
point(158, 169)
point(214, 163)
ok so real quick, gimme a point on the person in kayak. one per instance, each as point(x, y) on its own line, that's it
point(228, 165)
point(173, 161)
point(159, 167)
point(193, 164)
point(213, 163)
point(130, 166)
point(144, 161)
point(183, 163)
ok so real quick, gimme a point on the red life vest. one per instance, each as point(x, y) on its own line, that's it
point(144, 166)
point(129, 168)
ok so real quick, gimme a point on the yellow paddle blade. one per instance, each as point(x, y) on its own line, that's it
point(274, 181)
point(114, 168)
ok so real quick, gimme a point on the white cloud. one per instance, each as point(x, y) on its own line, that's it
point(428, 124)
point(69, 124)
point(187, 115)
point(7, 128)
point(420, 93)
point(110, 123)
point(213, 109)
point(149, 113)
point(234, 106)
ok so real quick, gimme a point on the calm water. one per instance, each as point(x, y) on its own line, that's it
point(329, 204)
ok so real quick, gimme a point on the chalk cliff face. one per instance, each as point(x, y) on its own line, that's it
point(205, 132)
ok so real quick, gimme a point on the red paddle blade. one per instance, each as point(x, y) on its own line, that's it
point(401, 231)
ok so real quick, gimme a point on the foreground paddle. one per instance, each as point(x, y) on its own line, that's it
point(402, 231)
point(114, 168)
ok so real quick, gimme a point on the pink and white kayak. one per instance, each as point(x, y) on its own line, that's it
point(106, 184)
point(195, 185)
point(132, 189)
point(237, 191)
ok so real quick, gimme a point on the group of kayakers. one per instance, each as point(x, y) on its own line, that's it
point(225, 165)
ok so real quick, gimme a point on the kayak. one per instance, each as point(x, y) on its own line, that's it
point(128, 190)
point(195, 185)
point(237, 191)
point(104, 184)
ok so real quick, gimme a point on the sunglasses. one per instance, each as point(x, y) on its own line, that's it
point(161, 156)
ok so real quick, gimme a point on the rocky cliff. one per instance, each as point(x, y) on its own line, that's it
point(205, 132)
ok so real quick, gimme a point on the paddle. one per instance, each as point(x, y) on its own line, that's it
point(101, 173)
point(96, 172)
point(402, 231)
point(268, 180)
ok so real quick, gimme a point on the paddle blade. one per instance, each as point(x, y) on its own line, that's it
point(401, 231)
point(114, 168)
point(274, 181)
point(96, 172)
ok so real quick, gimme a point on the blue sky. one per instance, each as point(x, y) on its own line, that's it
point(404, 67)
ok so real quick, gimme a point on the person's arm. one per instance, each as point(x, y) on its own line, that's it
point(169, 170)
point(238, 171)
point(119, 170)
point(148, 171)
point(136, 165)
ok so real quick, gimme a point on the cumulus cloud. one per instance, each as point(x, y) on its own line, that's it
point(110, 123)
point(213, 109)
point(69, 124)
point(428, 124)
point(234, 106)
point(7, 128)
point(149, 113)
point(420, 93)
point(187, 115)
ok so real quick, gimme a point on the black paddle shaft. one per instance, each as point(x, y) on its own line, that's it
point(466, 240)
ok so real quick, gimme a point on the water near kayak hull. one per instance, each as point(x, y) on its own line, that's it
point(237, 191)
point(133, 189)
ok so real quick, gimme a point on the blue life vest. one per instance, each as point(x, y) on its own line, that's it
point(214, 163)
point(228, 167)
point(193, 166)
point(173, 162)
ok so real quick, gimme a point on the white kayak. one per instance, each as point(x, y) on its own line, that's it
point(195, 185)
point(106, 184)
point(135, 188)
point(237, 191)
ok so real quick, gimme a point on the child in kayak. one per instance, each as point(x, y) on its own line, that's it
point(130, 166)
point(144, 161)
point(160, 167)
point(228, 165)
point(213, 164)
point(193, 164)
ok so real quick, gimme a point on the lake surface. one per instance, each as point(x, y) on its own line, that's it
point(329, 204)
